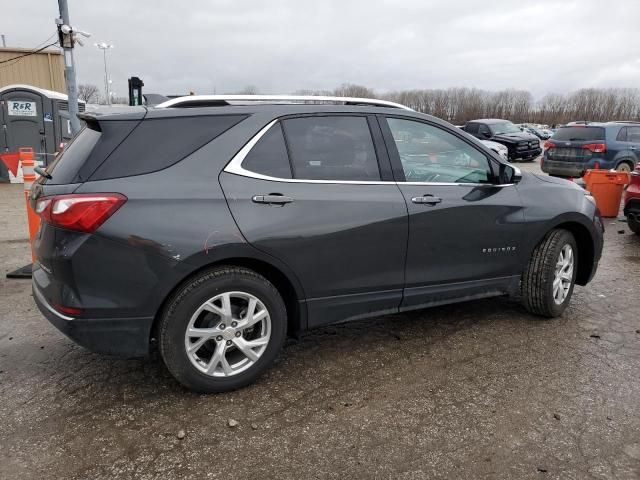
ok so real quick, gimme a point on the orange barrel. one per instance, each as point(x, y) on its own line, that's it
point(26, 158)
point(606, 186)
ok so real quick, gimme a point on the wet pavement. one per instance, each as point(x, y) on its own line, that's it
point(475, 390)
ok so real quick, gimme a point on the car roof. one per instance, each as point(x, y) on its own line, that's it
point(266, 110)
point(623, 122)
point(582, 125)
point(488, 120)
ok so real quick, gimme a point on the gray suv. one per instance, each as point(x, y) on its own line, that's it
point(211, 227)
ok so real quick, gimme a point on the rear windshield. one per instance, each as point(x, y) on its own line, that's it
point(156, 144)
point(67, 164)
point(579, 134)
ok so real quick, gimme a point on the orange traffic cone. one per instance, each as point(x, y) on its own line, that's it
point(28, 173)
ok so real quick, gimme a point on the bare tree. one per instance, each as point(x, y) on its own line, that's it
point(88, 92)
point(249, 90)
point(350, 90)
point(458, 105)
point(119, 100)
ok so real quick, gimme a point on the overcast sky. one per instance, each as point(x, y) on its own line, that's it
point(286, 45)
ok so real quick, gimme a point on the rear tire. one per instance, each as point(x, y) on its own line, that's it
point(624, 167)
point(222, 329)
point(548, 281)
point(634, 225)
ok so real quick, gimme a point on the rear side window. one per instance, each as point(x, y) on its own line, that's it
point(64, 168)
point(629, 134)
point(269, 156)
point(483, 130)
point(158, 143)
point(633, 134)
point(472, 128)
point(579, 134)
point(331, 148)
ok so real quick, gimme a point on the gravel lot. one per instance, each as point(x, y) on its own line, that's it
point(476, 390)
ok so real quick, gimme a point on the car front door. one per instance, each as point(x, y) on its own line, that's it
point(465, 230)
point(313, 192)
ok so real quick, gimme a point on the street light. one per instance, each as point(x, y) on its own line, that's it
point(104, 46)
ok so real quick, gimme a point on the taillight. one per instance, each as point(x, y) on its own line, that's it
point(596, 147)
point(549, 144)
point(81, 212)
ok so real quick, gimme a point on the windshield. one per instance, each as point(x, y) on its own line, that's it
point(504, 127)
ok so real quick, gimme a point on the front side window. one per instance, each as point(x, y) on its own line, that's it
point(331, 148)
point(431, 154)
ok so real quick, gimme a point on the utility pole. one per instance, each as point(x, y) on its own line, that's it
point(66, 42)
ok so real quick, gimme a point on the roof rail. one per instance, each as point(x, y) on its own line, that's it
point(222, 100)
point(625, 121)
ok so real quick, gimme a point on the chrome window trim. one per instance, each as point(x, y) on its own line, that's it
point(235, 167)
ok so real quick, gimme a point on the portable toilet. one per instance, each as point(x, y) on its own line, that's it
point(33, 117)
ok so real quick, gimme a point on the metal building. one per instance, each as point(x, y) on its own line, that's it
point(44, 69)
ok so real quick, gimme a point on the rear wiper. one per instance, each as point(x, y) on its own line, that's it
point(42, 173)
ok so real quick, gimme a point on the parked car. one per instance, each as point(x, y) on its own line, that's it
point(632, 201)
point(578, 147)
point(541, 134)
point(521, 145)
point(547, 132)
point(498, 148)
point(213, 229)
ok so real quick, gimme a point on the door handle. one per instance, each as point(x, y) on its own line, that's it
point(273, 199)
point(427, 200)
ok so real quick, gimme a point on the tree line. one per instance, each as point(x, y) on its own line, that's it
point(458, 105)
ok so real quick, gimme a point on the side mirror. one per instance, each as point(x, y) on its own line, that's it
point(509, 174)
point(486, 134)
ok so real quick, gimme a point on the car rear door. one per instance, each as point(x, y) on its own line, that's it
point(632, 142)
point(316, 192)
point(465, 231)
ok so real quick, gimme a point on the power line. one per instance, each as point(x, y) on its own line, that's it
point(29, 53)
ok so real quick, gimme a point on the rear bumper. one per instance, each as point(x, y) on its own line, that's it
point(565, 169)
point(572, 169)
point(128, 337)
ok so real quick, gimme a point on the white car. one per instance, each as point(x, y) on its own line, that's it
point(498, 148)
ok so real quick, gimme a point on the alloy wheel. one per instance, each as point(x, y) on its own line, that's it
point(563, 274)
point(227, 334)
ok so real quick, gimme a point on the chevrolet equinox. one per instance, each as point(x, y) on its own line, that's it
point(214, 226)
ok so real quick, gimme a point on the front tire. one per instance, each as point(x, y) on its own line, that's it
point(222, 329)
point(548, 280)
point(634, 225)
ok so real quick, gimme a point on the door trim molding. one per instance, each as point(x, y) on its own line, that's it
point(443, 293)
